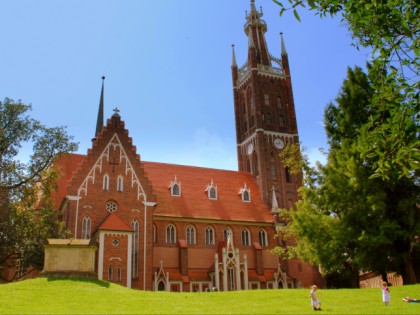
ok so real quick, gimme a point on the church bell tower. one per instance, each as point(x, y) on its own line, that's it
point(265, 114)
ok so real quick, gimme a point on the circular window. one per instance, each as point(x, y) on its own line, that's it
point(111, 206)
point(115, 242)
point(230, 255)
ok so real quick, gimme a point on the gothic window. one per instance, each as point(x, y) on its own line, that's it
point(226, 233)
point(279, 103)
point(110, 273)
point(154, 234)
point(211, 191)
point(175, 190)
point(287, 175)
point(175, 187)
point(266, 100)
point(245, 194)
point(135, 256)
point(263, 238)
point(190, 234)
point(86, 226)
point(246, 238)
point(120, 183)
point(255, 165)
point(281, 120)
point(111, 206)
point(267, 118)
point(170, 234)
point(273, 165)
point(119, 274)
point(209, 236)
point(106, 182)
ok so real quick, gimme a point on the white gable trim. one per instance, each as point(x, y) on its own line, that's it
point(114, 143)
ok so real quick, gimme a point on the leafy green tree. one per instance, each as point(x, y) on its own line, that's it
point(27, 217)
point(348, 220)
point(391, 29)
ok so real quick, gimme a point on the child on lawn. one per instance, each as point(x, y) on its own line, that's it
point(385, 293)
point(316, 304)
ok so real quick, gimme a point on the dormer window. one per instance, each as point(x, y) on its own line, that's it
point(211, 191)
point(175, 187)
point(245, 193)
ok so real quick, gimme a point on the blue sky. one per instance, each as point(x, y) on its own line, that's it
point(167, 67)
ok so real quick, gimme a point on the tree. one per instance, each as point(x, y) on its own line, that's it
point(27, 217)
point(348, 220)
point(391, 28)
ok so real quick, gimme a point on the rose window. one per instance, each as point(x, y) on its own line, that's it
point(111, 206)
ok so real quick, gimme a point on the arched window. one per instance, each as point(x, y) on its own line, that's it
point(86, 228)
point(110, 273)
point(287, 175)
point(246, 238)
point(281, 120)
point(106, 182)
point(226, 233)
point(135, 256)
point(175, 190)
point(263, 237)
point(120, 183)
point(175, 187)
point(154, 234)
point(246, 195)
point(190, 234)
point(119, 274)
point(209, 236)
point(212, 193)
point(170, 234)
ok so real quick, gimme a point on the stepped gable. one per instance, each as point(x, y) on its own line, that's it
point(194, 201)
point(113, 132)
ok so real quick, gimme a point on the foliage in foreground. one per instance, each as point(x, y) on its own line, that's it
point(348, 220)
point(26, 215)
point(391, 29)
point(73, 296)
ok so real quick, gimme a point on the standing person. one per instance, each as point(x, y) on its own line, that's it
point(385, 293)
point(316, 304)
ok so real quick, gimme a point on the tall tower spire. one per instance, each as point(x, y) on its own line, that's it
point(283, 46)
point(100, 119)
point(265, 114)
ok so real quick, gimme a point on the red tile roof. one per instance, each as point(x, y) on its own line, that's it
point(67, 164)
point(194, 201)
point(114, 223)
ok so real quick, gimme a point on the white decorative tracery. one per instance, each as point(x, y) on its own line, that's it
point(114, 143)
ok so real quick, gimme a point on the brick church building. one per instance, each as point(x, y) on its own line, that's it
point(183, 228)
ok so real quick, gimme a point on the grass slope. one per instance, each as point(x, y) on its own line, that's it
point(74, 296)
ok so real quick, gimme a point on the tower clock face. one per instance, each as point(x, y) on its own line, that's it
point(250, 148)
point(279, 144)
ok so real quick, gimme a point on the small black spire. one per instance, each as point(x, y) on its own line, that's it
point(100, 120)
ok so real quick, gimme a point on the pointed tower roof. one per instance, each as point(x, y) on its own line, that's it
point(233, 56)
point(283, 47)
point(274, 203)
point(100, 120)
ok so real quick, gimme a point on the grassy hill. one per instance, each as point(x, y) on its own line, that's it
point(75, 296)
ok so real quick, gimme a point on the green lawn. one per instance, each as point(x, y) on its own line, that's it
point(72, 296)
